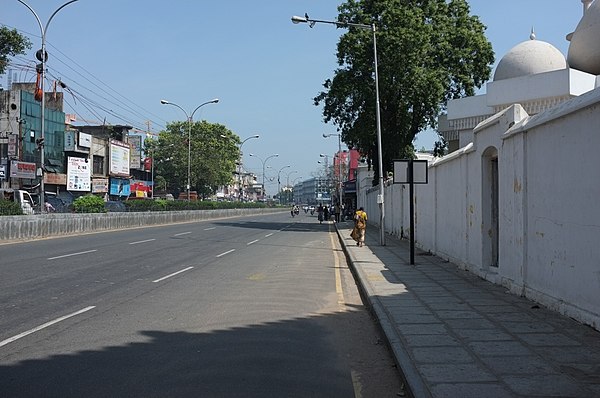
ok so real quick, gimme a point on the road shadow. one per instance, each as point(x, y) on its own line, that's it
point(300, 357)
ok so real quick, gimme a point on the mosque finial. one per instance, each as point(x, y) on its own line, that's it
point(532, 35)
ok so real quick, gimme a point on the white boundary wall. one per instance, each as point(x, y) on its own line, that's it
point(548, 206)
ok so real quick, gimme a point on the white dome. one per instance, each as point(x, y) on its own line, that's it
point(584, 50)
point(529, 58)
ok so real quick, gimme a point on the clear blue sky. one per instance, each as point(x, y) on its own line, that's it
point(122, 57)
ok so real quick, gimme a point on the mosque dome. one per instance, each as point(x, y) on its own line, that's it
point(529, 58)
point(584, 50)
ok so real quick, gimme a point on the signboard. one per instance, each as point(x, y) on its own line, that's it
point(12, 145)
point(401, 171)
point(70, 141)
point(85, 140)
point(135, 142)
point(22, 169)
point(99, 185)
point(2, 172)
point(78, 174)
point(55, 178)
point(119, 159)
point(119, 187)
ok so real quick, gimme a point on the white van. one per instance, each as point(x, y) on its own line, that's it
point(23, 198)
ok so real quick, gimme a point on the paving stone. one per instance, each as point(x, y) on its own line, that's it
point(556, 385)
point(444, 355)
point(430, 340)
point(414, 318)
point(458, 315)
point(527, 327)
point(470, 324)
point(516, 365)
point(422, 328)
point(456, 373)
point(548, 339)
point(483, 334)
point(500, 348)
point(470, 390)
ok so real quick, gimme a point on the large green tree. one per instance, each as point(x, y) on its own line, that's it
point(429, 51)
point(214, 152)
point(11, 44)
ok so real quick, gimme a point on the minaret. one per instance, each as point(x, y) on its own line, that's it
point(586, 4)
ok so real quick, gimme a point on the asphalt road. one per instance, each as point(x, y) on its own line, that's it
point(224, 308)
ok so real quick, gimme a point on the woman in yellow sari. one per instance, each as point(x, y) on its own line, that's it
point(360, 227)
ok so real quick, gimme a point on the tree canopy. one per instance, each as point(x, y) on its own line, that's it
point(428, 51)
point(214, 152)
point(11, 44)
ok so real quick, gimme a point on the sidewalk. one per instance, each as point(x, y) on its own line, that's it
point(456, 335)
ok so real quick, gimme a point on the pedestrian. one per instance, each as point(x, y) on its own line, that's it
point(320, 211)
point(326, 213)
point(360, 227)
point(336, 212)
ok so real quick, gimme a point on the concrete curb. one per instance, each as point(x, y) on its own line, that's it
point(413, 381)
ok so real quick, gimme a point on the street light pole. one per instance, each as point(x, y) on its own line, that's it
point(339, 164)
point(42, 57)
point(241, 195)
point(380, 197)
point(264, 162)
point(279, 182)
point(288, 184)
point(190, 120)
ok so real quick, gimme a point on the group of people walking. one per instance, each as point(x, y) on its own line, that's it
point(324, 213)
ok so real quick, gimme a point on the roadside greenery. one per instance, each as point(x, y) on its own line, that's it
point(89, 204)
point(12, 43)
point(179, 205)
point(10, 208)
point(429, 52)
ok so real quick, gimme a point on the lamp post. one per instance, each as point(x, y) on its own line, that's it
point(340, 193)
point(380, 197)
point(42, 56)
point(279, 181)
point(241, 195)
point(190, 120)
point(287, 183)
point(264, 162)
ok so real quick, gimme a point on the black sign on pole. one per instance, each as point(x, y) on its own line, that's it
point(411, 172)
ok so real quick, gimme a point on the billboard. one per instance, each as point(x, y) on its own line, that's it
point(135, 142)
point(119, 159)
point(78, 174)
point(20, 169)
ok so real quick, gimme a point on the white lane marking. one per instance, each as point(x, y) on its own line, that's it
point(141, 241)
point(208, 229)
point(254, 241)
point(173, 274)
point(45, 325)
point(72, 254)
point(182, 233)
point(267, 235)
point(227, 252)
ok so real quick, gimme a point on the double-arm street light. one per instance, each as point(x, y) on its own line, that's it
point(325, 135)
point(241, 186)
point(264, 162)
point(380, 200)
point(279, 181)
point(42, 56)
point(190, 120)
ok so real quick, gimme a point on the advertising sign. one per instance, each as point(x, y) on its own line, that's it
point(78, 174)
point(12, 145)
point(135, 142)
point(119, 159)
point(85, 140)
point(99, 185)
point(55, 178)
point(119, 187)
point(22, 169)
point(2, 172)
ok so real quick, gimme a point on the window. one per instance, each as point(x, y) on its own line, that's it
point(98, 165)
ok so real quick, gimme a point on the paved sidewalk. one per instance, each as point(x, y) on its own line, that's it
point(456, 335)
